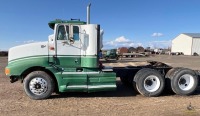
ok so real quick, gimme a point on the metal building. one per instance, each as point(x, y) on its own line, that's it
point(187, 43)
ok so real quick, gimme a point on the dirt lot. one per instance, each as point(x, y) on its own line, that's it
point(122, 102)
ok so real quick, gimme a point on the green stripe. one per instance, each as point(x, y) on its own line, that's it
point(19, 65)
point(28, 57)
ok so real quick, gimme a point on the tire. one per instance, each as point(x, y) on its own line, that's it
point(184, 81)
point(136, 77)
point(149, 82)
point(168, 76)
point(38, 85)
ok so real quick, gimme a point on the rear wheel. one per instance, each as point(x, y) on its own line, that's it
point(38, 85)
point(184, 82)
point(149, 82)
point(168, 77)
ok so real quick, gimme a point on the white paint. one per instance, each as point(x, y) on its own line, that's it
point(26, 50)
point(51, 42)
point(86, 45)
point(196, 46)
point(64, 47)
point(89, 39)
point(189, 82)
point(155, 83)
point(182, 43)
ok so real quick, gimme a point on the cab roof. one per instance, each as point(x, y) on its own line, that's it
point(72, 21)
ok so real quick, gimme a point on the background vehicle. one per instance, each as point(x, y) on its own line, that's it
point(111, 54)
point(120, 53)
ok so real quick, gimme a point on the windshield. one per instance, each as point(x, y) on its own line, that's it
point(62, 34)
point(112, 51)
point(108, 52)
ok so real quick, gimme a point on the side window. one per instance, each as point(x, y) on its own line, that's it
point(76, 33)
point(63, 33)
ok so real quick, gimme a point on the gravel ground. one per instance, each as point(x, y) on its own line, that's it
point(123, 102)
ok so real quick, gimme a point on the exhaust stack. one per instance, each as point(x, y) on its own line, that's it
point(88, 13)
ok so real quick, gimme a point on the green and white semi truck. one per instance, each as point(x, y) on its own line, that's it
point(69, 62)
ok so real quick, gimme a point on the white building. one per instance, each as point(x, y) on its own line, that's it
point(187, 43)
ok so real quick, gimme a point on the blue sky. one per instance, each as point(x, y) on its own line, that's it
point(127, 23)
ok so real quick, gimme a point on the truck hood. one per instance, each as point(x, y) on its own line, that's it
point(28, 50)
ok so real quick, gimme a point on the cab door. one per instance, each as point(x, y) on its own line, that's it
point(68, 57)
point(68, 50)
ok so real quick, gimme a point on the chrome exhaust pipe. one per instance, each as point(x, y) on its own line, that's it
point(88, 13)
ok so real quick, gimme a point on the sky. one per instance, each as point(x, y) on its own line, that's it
point(126, 23)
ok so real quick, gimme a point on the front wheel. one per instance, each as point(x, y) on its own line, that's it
point(38, 85)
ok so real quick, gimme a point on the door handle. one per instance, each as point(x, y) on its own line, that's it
point(76, 61)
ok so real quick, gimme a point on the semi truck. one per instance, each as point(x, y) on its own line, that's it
point(69, 62)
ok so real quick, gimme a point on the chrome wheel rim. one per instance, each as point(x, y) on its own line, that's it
point(38, 86)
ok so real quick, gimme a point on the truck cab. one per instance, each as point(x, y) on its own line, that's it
point(67, 62)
